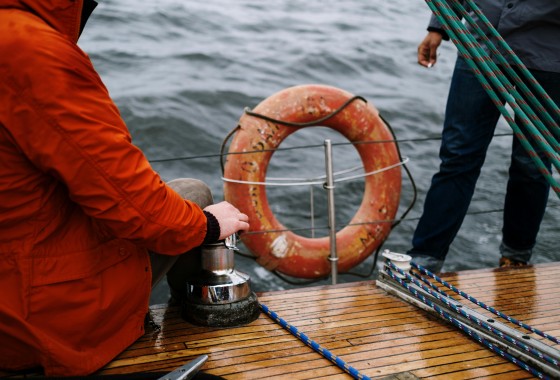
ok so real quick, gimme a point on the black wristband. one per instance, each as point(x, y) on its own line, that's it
point(212, 228)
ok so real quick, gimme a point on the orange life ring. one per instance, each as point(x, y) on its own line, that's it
point(287, 252)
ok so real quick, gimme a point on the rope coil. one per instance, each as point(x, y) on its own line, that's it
point(495, 82)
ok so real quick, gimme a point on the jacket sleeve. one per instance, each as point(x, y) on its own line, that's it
point(65, 122)
point(435, 26)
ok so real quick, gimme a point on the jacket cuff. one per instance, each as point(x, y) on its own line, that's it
point(443, 33)
point(212, 228)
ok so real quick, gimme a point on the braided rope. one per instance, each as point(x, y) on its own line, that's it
point(483, 305)
point(483, 67)
point(518, 81)
point(535, 84)
point(479, 322)
point(314, 345)
point(461, 326)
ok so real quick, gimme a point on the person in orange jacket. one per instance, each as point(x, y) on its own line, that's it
point(80, 206)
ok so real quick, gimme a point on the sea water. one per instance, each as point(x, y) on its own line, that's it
point(182, 72)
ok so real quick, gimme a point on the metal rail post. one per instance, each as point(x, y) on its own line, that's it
point(329, 186)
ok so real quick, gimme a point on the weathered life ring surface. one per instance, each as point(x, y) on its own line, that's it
point(287, 252)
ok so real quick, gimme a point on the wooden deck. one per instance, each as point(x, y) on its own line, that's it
point(372, 331)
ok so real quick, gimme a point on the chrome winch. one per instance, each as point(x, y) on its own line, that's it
point(218, 295)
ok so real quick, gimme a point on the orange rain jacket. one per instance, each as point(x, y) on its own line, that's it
point(79, 203)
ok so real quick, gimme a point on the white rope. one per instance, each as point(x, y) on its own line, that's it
point(313, 181)
point(316, 178)
point(401, 163)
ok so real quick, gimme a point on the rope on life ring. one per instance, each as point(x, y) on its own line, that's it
point(283, 250)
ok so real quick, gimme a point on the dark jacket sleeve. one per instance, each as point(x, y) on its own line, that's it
point(435, 26)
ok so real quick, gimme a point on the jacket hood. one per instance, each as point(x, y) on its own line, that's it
point(65, 16)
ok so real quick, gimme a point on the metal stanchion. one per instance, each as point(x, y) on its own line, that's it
point(329, 186)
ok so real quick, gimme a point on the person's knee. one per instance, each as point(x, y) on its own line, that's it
point(523, 168)
point(194, 190)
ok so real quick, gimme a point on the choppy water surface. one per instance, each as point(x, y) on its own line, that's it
point(182, 72)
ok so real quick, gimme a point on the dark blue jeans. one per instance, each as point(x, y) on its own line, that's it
point(470, 121)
